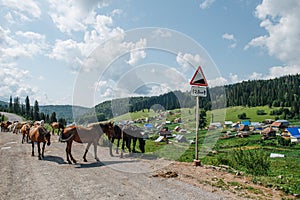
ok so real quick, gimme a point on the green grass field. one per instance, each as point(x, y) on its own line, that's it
point(287, 168)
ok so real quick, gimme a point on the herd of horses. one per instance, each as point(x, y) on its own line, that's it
point(37, 133)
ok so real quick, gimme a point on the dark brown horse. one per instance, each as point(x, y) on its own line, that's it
point(89, 135)
point(127, 133)
point(39, 134)
point(57, 125)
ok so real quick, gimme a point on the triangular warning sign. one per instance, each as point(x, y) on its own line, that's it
point(199, 78)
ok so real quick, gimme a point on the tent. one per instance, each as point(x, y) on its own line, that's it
point(181, 138)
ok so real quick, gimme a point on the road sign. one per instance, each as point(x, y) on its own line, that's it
point(198, 91)
point(199, 78)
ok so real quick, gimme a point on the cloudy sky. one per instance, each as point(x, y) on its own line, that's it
point(83, 52)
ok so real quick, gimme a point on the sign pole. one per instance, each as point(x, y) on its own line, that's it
point(199, 84)
point(197, 161)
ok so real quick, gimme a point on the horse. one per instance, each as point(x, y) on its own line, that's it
point(25, 131)
point(18, 126)
point(39, 134)
point(89, 135)
point(134, 133)
point(57, 125)
point(117, 134)
point(5, 125)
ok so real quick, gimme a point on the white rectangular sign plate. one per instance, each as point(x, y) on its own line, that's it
point(198, 91)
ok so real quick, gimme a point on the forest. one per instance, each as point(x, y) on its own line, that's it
point(281, 92)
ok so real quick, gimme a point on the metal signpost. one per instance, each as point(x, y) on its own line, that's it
point(199, 84)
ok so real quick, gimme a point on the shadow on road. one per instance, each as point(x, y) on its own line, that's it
point(58, 160)
point(99, 164)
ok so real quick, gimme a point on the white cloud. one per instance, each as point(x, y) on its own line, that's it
point(281, 21)
point(12, 81)
point(137, 53)
point(220, 81)
point(24, 10)
point(74, 15)
point(187, 60)
point(231, 38)
point(20, 44)
point(206, 4)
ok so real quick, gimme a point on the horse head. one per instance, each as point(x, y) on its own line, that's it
point(48, 137)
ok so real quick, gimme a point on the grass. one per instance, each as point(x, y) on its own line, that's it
point(284, 173)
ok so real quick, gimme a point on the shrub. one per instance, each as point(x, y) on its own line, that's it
point(261, 112)
point(255, 162)
point(242, 116)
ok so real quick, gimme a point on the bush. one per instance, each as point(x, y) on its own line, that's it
point(255, 162)
point(242, 116)
point(261, 112)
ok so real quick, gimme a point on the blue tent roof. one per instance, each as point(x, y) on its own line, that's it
point(246, 123)
point(295, 131)
point(148, 125)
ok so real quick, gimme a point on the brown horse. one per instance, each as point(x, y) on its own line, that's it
point(57, 125)
point(89, 135)
point(39, 134)
point(25, 131)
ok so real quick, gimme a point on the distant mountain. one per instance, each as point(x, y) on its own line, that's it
point(3, 105)
point(64, 111)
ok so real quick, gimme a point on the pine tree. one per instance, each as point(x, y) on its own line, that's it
point(10, 108)
point(36, 111)
point(27, 107)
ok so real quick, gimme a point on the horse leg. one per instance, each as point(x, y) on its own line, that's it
point(111, 145)
point(43, 149)
point(95, 151)
point(123, 147)
point(39, 150)
point(142, 143)
point(27, 138)
point(134, 139)
point(118, 144)
point(86, 150)
point(23, 138)
point(32, 148)
point(128, 144)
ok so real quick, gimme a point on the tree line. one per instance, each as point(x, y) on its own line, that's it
point(30, 112)
point(283, 92)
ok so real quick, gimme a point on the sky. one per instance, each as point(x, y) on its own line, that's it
point(83, 52)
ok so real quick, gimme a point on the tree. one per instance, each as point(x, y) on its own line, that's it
point(16, 106)
point(27, 107)
point(36, 111)
point(202, 119)
point(10, 108)
point(242, 116)
point(53, 117)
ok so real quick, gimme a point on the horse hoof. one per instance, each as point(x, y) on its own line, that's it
point(85, 160)
point(40, 158)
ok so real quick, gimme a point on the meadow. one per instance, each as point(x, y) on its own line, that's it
point(250, 155)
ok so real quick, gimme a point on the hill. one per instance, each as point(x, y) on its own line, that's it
point(278, 92)
point(63, 111)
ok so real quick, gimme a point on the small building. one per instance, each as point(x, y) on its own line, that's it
point(280, 124)
point(228, 124)
point(214, 125)
point(294, 133)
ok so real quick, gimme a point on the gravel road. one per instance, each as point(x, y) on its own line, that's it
point(26, 177)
